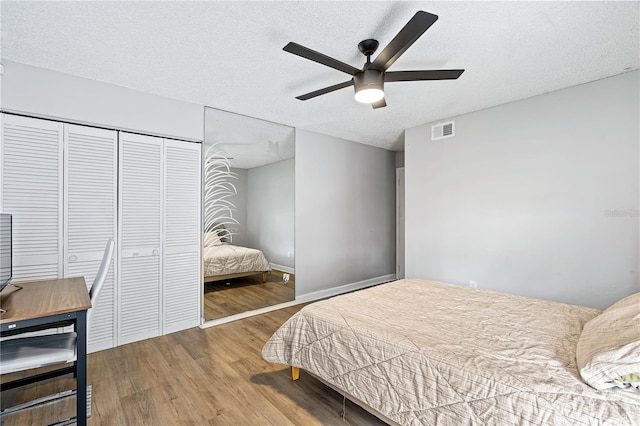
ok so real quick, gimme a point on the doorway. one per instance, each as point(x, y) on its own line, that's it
point(400, 223)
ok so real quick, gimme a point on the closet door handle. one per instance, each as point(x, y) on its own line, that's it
point(156, 252)
point(73, 258)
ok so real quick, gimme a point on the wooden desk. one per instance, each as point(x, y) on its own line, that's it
point(45, 304)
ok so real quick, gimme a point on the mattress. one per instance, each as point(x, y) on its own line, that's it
point(229, 259)
point(427, 353)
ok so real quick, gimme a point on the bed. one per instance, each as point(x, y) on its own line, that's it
point(222, 261)
point(418, 352)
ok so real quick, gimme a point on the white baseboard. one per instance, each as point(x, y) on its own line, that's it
point(305, 298)
point(283, 268)
point(323, 294)
point(100, 346)
point(231, 318)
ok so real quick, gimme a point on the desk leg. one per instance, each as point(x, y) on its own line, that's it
point(81, 368)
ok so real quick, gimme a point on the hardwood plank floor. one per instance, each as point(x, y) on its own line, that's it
point(230, 297)
point(212, 376)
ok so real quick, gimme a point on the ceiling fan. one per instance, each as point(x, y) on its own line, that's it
point(369, 81)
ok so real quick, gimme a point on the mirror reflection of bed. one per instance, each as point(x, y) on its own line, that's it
point(239, 279)
point(248, 245)
point(224, 260)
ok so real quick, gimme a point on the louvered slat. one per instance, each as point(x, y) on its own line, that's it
point(139, 295)
point(139, 298)
point(182, 289)
point(90, 218)
point(31, 187)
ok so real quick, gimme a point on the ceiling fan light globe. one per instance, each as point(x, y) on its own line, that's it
point(369, 86)
point(369, 95)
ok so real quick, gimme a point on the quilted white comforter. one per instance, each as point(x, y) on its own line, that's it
point(229, 259)
point(427, 353)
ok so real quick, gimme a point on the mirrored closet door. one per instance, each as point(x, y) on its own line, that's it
point(248, 254)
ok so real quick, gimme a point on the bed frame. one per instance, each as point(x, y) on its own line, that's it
point(295, 375)
point(236, 275)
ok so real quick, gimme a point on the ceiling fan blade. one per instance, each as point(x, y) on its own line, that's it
point(307, 53)
point(380, 104)
point(325, 90)
point(416, 26)
point(422, 75)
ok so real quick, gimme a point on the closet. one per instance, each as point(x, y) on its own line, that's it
point(72, 187)
point(160, 252)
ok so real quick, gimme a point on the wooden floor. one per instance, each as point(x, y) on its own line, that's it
point(230, 297)
point(212, 376)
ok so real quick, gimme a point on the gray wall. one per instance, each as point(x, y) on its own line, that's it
point(270, 211)
point(38, 91)
point(399, 159)
point(240, 201)
point(537, 197)
point(345, 212)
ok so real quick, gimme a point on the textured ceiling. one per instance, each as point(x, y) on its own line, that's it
point(228, 55)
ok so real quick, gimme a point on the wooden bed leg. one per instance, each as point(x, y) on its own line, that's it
point(295, 373)
point(264, 277)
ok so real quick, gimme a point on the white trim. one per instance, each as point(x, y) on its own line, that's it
point(243, 315)
point(61, 209)
point(322, 294)
point(65, 201)
point(18, 113)
point(399, 251)
point(310, 297)
point(100, 346)
point(202, 159)
point(283, 268)
point(163, 217)
point(117, 261)
point(116, 249)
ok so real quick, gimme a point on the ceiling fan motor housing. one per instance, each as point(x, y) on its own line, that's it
point(368, 79)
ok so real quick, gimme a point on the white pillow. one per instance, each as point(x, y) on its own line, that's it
point(609, 345)
point(212, 239)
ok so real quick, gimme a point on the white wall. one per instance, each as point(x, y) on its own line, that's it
point(49, 94)
point(345, 212)
point(270, 211)
point(537, 197)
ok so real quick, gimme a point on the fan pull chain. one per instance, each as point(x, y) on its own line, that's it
point(344, 408)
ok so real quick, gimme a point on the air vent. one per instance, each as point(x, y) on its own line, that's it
point(443, 130)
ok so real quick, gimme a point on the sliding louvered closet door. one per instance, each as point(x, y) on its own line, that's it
point(159, 236)
point(31, 186)
point(70, 188)
point(181, 297)
point(90, 211)
point(141, 206)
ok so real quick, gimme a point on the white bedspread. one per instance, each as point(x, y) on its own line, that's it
point(229, 259)
point(426, 353)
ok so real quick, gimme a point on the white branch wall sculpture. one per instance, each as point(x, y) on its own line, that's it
point(218, 188)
